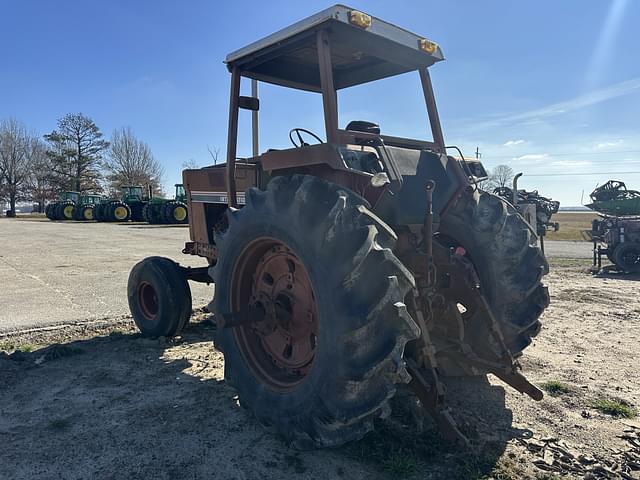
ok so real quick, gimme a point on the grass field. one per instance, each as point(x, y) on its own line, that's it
point(571, 225)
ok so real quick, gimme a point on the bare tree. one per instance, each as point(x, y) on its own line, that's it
point(190, 164)
point(14, 160)
point(40, 182)
point(76, 149)
point(214, 153)
point(130, 162)
point(501, 176)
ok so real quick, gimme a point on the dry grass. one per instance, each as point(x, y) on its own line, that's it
point(571, 225)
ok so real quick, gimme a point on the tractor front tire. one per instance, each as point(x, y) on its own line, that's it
point(627, 257)
point(159, 297)
point(175, 213)
point(64, 210)
point(496, 240)
point(136, 211)
point(86, 213)
point(150, 213)
point(49, 210)
point(119, 212)
point(319, 348)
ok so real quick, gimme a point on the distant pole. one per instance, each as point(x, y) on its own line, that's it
point(254, 120)
point(478, 154)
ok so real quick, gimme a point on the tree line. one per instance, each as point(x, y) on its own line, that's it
point(75, 156)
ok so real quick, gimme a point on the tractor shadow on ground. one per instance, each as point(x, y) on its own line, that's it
point(145, 226)
point(68, 401)
point(617, 275)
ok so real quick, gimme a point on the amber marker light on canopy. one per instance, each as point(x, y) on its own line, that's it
point(427, 45)
point(359, 19)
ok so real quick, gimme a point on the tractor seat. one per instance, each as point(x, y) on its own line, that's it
point(364, 126)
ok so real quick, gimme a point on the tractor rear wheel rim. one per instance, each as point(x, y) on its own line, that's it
point(180, 213)
point(148, 300)
point(120, 213)
point(279, 340)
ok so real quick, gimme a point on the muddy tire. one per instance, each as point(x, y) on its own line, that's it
point(627, 257)
point(159, 297)
point(311, 242)
point(496, 240)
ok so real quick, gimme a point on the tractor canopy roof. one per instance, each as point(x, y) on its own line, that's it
point(363, 49)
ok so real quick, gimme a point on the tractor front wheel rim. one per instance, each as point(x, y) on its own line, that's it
point(180, 213)
point(148, 301)
point(120, 213)
point(279, 340)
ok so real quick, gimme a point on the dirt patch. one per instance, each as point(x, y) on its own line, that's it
point(98, 401)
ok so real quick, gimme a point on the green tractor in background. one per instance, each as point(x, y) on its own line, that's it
point(62, 209)
point(128, 207)
point(85, 206)
point(168, 211)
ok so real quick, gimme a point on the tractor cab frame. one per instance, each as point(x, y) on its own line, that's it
point(335, 49)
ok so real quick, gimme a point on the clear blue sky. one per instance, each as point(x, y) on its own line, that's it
point(544, 86)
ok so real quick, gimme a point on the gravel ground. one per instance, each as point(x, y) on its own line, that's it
point(94, 400)
point(61, 272)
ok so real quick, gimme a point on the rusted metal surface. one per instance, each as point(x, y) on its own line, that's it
point(206, 250)
point(232, 136)
point(279, 337)
point(432, 109)
point(329, 96)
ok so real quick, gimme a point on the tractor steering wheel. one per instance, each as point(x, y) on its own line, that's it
point(298, 132)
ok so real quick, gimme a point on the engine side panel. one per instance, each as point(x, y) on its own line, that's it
point(206, 190)
point(407, 206)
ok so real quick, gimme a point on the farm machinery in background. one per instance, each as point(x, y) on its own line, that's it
point(127, 207)
point(139, 205)
point(62, 209)
point(73, 206)
point(536, 209)
point(167, 211)
point(616, 234)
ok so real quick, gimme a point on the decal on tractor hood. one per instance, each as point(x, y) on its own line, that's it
point(215, 197)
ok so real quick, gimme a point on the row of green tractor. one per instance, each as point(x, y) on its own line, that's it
point(135, 204)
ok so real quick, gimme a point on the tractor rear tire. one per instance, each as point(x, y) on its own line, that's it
point(119, 212)
point(627, 257)
point(97, 212)
point(175, 212)
point(159, 297)
point(151, 213)
point(49, 210)
point(327, 280)
point(510, 269)
point(64, 210)
point(87, 213)
point(136, 211)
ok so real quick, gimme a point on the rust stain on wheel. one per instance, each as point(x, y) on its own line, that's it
point(281, 347)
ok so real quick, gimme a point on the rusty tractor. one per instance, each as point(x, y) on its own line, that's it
point(349, 265)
